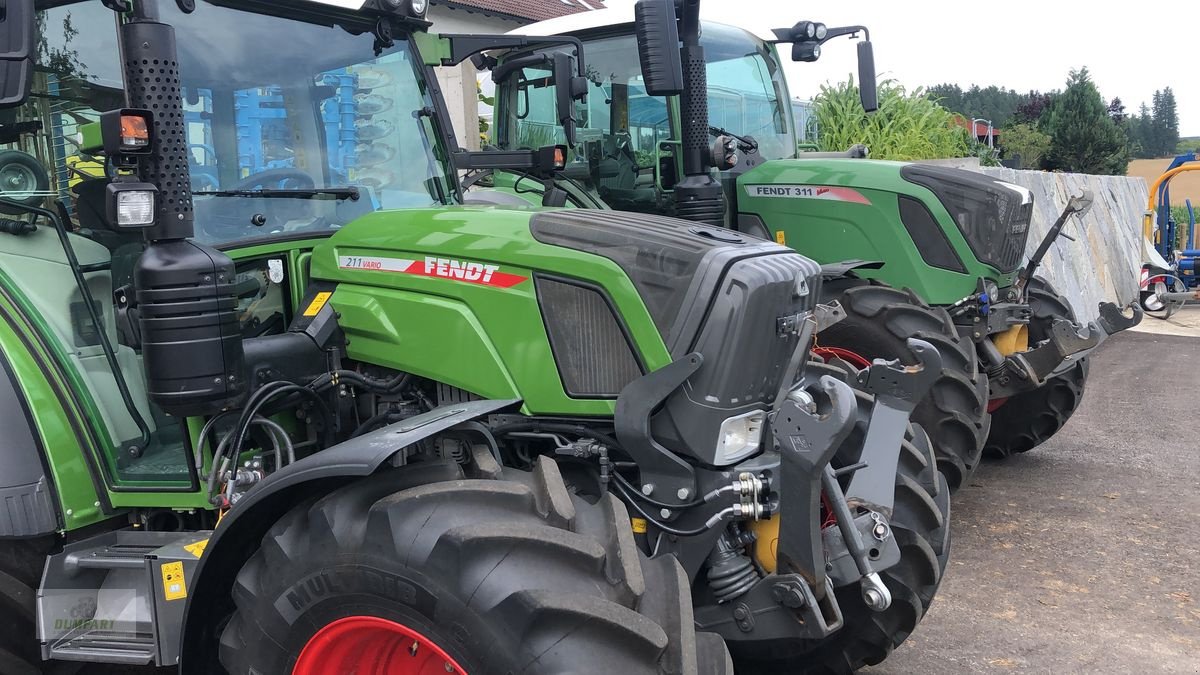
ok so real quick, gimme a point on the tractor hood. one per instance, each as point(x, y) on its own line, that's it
point(576, 304)
point(938, 229)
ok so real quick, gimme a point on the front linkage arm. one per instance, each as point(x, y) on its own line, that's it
point(808, 435)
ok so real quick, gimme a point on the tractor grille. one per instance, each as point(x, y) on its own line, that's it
point(992, 215)
point(591, 351)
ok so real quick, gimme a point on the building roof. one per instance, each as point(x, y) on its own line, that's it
point(979, 128)
point(524, 10)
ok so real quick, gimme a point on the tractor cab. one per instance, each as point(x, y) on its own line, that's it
point(629, 153)
point(283, 145)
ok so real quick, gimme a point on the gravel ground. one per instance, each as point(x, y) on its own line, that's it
point(1082, 555)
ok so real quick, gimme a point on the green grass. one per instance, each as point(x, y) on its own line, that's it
point(907, 126)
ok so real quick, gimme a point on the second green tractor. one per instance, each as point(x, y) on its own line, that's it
point(907, 249)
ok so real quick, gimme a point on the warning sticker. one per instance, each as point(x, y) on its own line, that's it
point(197, 549)
point(638, 525)
point(826, 192)
point(174, 587)
point(318, 302)
point(442, 268)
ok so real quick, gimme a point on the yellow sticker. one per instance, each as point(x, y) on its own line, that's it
point(174, 587)
point(780, 238)
point(638, 524)
point(196, 549)
point(317, 303)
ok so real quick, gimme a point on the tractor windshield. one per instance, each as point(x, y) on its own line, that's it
point(291, 106)
point(628, 137)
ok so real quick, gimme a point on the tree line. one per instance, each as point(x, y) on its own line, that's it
point(1072, 129)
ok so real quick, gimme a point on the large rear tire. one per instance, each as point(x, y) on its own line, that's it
point(509, 574)
point(921, 525)
point(1029, 419)
point(879, 319)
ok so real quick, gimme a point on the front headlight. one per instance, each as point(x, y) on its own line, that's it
point(740, 437)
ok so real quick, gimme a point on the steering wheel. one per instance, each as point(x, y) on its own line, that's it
point(231, 218)
point(272, 178)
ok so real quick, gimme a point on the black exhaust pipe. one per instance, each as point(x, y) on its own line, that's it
point(699, 195)
point(191, 336)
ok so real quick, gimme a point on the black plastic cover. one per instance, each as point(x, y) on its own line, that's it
point(191, 337)
point(992, 215)
point(710, 290)
point(591, 350)
point(745, 351)
point(929, 237)
point(662, 256)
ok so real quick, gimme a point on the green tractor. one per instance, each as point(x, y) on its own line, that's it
point(714, 142)
point(276, 401)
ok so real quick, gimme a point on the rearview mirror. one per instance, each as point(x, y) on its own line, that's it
point(658, 46)
point(868, 91)
point(16, 52)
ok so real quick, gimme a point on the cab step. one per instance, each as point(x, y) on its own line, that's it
point(118, 597)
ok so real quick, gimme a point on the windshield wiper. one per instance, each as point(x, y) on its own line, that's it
point(286, 193)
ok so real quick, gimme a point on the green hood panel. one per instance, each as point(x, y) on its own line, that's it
point(833, 210)
point(449, 294)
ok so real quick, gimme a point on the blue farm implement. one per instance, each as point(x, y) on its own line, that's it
point(1170, 279)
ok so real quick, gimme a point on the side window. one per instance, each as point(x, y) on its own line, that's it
point(536, 111)
point(744, 97)
point(78, 75)
point(620, 127)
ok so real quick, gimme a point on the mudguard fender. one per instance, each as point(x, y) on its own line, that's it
point(238, 535)
point(841, 269)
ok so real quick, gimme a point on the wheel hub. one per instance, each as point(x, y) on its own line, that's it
point(369, 645)
point(853, 358)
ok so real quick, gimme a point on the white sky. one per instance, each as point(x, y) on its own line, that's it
point(1130, 50)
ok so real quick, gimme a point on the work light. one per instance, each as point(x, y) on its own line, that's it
point(806, 51)
point(131, 204)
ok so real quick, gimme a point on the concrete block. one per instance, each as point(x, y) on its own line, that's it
point(1104, 261)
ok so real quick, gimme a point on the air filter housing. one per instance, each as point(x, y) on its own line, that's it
point(191, 337)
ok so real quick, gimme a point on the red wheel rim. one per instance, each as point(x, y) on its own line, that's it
point(995, 403)
point(369, 645)
point(853, 358)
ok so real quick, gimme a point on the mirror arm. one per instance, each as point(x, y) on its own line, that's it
point(463, 46)
point(847, 30)
point(505, 70)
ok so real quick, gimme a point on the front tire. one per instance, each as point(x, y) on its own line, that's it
point(879, 319)
point(511, 574)
point(1029, 419)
